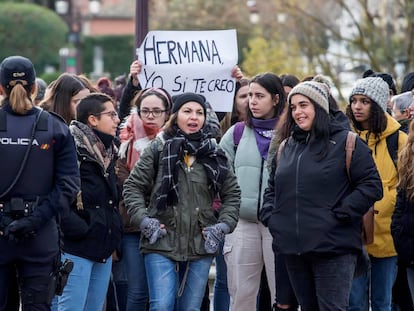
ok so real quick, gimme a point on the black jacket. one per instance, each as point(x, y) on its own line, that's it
point(95, 231)
point(402, 229)
point(314, 207)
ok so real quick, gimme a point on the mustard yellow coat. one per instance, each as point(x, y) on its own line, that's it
point(383, 245)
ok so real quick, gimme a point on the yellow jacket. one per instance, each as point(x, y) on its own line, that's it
point(383, 245)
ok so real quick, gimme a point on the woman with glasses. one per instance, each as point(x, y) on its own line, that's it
point(92, 227)
point(151, 110)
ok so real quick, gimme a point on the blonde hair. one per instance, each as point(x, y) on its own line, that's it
point(406, 165)
point(20, 99)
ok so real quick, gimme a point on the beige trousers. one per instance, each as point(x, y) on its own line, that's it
point(246, 251)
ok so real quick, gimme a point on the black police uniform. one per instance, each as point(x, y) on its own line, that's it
point(48, 184)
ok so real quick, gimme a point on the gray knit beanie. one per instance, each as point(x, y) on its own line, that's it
point(373, 87)
point(318, 92)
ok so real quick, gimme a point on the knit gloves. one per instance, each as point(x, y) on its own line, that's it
point(151, 229)
point(214, 235)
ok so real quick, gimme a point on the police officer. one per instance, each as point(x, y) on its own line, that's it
point(39, 178)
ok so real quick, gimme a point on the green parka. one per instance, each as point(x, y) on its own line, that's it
point(193, 212)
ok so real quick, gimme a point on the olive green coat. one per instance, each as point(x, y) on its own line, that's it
point(194, 211)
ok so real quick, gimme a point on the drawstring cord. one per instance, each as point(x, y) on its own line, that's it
point(181, 288)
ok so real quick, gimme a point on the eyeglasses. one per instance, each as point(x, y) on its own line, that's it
point(156, 112)
point(112, 114)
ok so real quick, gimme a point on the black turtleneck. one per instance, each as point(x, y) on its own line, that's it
point(106, 139)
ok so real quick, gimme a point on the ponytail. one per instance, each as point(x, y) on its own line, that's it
point(19, 99)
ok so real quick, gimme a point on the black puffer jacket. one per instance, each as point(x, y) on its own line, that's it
point(314, 207)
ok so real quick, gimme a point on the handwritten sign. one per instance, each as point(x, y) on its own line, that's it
point(191, 61)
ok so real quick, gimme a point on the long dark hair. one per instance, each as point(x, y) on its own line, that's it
point(273, 85)
point(60, 95)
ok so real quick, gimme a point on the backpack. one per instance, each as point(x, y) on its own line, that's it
point(392, 146)
point(368, 218)
point(367, 233)
point(237, 134)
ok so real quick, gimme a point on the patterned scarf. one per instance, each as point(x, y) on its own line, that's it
point(86, 138)
point(206, 152)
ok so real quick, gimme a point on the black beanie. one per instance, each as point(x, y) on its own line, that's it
point(408, 82)
point(179, 100)
point(384, 76)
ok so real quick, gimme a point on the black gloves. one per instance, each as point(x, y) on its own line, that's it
point(214, 235)
point(23, 228)
point(151, 229)
point(4, 222)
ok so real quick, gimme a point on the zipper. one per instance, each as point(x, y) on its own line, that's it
point(296, 203)
point(259, 201)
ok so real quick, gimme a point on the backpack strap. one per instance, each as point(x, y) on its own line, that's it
point(349, 149)
point(3, 120)
point(237, 134)
point(392, 146)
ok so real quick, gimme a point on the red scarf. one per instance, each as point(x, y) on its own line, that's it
point(135, 136)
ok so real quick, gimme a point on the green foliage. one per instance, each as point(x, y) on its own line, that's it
point(118, 53)
point(31, 31)
point(274, 55)
point(49, 77)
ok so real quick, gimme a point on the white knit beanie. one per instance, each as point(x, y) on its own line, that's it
point(373, 87)
point(318, 92)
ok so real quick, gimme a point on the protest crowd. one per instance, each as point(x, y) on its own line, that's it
point(123, 197)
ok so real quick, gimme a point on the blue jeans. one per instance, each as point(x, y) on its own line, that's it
point(87, 285)
point(359, 296)
point(321, 283)
point(165, 278)
point(381, 277)
point(410, 278)
point(118, 286)
point(221, 293)
point(135, 268)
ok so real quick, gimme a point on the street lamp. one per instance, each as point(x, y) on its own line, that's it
point(73, 18)
point(141, 22)
point(253, 11)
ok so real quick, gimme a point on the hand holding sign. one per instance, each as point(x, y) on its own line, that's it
point(191, 61)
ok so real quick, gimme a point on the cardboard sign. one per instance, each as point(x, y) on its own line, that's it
point(191, 61)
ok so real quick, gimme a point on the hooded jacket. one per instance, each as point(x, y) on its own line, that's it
point(315, 208)
point(383, 245)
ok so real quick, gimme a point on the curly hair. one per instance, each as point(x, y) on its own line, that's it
point(406, 165)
